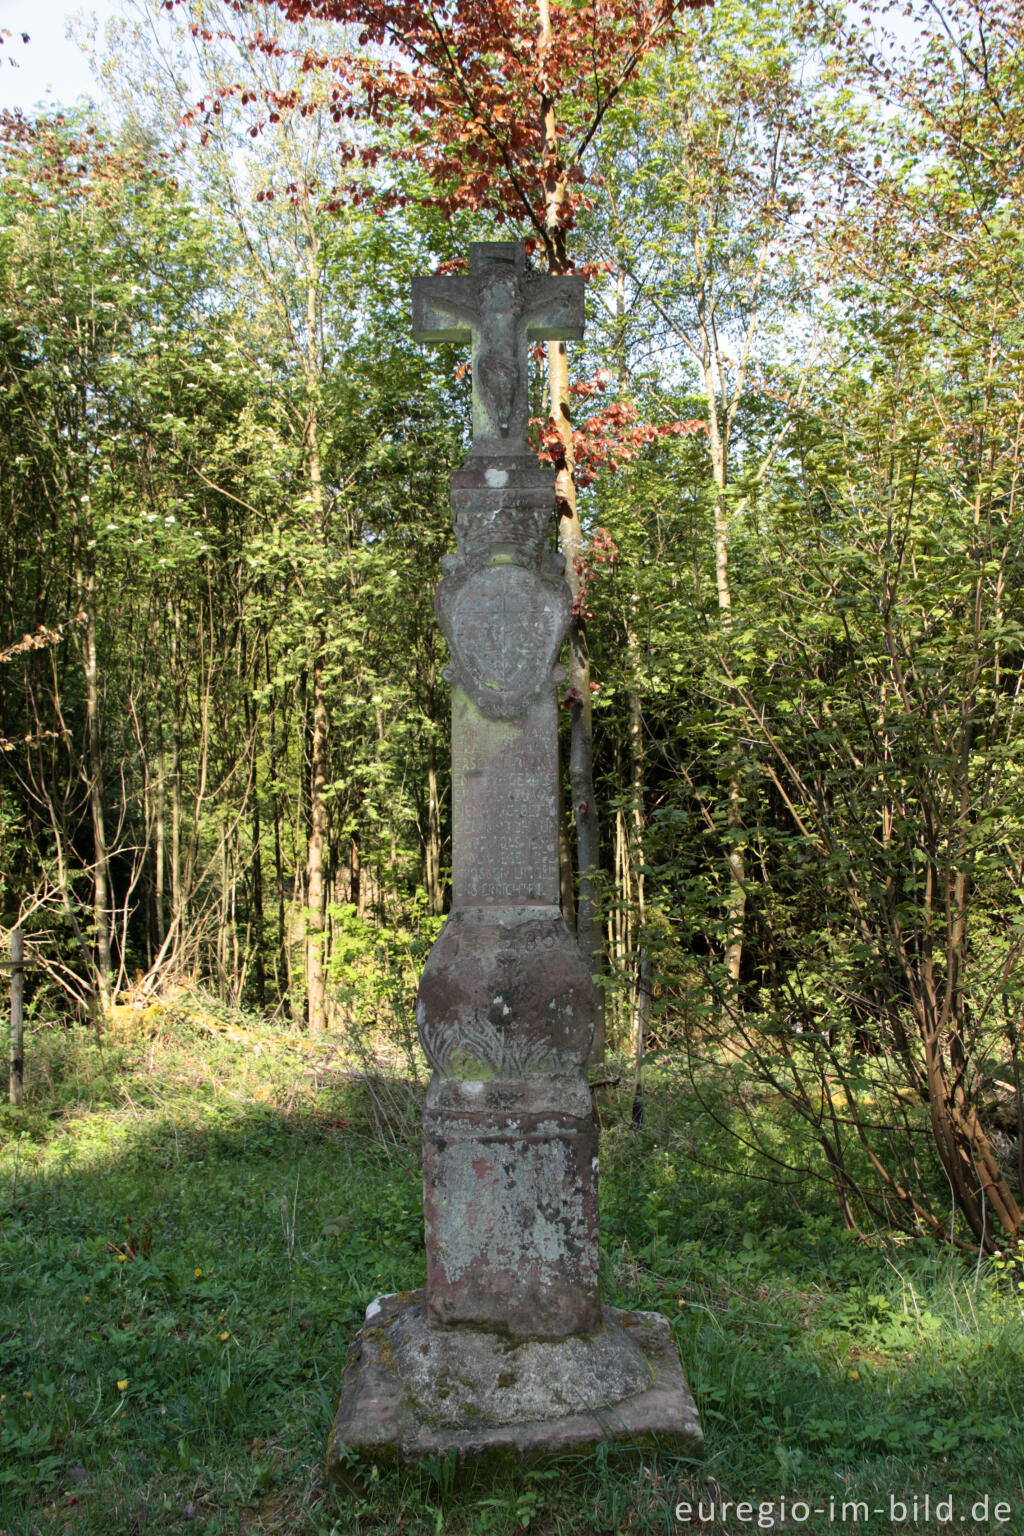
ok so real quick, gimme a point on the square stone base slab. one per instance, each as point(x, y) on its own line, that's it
point(412, 1391)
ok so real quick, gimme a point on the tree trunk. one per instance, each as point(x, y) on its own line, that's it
point(255, 882)
point(256, 886)
point(177, 731)
point(641, 1019)
point(432, 840)
point(581, 737)
point(355, 884)
point(281, 957)
point(223, 918)
point(618, 924)
point(316, 1008)
point(736, 893)
point(581, 783)
point(566, 874)
point(642, 996)
point(315, 991)
point(159, 875)
point(94, 761)
point(17, 1081)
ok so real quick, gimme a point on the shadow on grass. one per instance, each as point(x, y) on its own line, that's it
point(180, 1276)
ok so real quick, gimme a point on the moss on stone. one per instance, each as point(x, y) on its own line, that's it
point(470, 1068)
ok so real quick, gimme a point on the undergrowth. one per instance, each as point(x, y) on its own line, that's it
point(193, 1225)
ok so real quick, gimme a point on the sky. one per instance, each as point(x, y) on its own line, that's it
point(49, 64)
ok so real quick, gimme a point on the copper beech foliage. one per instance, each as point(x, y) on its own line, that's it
point(611, 436)
point(497, 110)
point(498, 101)
point(43, 155)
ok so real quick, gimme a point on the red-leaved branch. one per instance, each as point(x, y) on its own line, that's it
point(459, 92)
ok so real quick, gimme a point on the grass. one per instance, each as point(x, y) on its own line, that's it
point(191, 1227)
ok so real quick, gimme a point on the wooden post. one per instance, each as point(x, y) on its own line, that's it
point(17, 1014)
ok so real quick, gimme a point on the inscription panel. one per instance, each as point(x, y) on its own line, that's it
point(505, 805)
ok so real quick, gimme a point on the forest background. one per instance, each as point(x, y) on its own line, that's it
point(791, 506)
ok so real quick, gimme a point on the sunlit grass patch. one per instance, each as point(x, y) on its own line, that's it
point(191, 1228)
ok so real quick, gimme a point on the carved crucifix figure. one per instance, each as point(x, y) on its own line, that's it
point(500, 307)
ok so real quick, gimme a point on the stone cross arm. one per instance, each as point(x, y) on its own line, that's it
point(500, 306)
point(442, 309)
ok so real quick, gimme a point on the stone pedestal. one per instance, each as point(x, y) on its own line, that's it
point(509, 1350)
point(510, 1202)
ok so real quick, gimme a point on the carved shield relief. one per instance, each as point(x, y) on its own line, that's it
point(504, 625)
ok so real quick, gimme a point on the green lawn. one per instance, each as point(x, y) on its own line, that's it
point(192, 1225)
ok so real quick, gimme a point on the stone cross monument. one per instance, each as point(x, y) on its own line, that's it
point(509, 1348)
